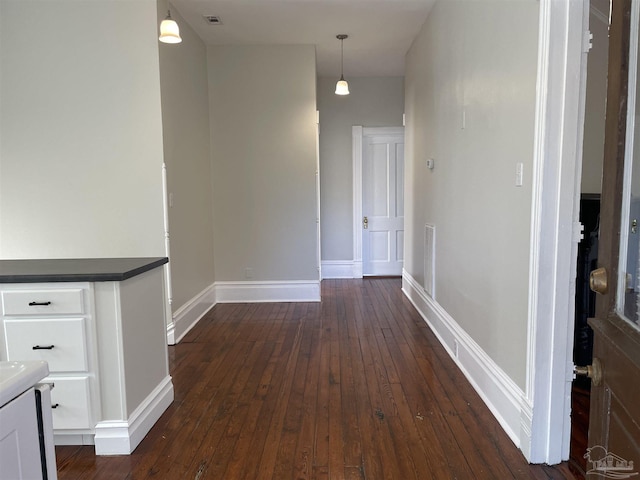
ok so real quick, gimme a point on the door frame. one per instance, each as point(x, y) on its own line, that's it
point(358, 133)
point(555, 229)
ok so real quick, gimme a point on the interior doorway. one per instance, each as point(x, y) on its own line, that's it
point(378, 201)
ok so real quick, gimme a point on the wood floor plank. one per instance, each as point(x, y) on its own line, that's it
point(395, 456)
point(292, 424)
point(371, 465)
point(303, 456)
point(267, 400)
point(355, 387)
point(270, 451)
point(352, 450)
point(468, 434)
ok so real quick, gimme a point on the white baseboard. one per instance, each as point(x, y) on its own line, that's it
point(73, 439)
point(122, 437)
point(504, 398)
point(357, 269)
point(252, 292)
point(338, 269)
point(186, 317)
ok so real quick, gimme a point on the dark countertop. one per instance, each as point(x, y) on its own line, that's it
point(76, 269)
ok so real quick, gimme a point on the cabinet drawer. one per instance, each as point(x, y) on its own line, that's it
point(60, 342)
point(70, 402)
point(43, 302)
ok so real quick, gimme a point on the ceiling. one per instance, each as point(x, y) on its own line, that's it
point(380, 31)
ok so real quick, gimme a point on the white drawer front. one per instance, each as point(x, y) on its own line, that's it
point(70, 403)
point(60, 342)
point(43, 302)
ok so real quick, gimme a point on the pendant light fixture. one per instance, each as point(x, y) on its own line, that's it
point(342, 87)
point(169, 30)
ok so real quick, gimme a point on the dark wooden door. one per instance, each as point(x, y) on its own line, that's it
point(614, 424)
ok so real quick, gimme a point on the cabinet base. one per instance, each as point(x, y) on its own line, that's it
point(116, 437)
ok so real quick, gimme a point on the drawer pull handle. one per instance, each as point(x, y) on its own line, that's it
point(46, 347)
point(55, 405)
point(39, 304)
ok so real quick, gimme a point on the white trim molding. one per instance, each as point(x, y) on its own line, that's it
point(188, 315)
point(253, 292)
point(121, 437)
point(555, 229)
point(502, 395)
point(340, 269)
point(357, 134)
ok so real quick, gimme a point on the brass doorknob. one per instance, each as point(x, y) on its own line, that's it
point(598, 281)
point(365, 222)
point(593, 371)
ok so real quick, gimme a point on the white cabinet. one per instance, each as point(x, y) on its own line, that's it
point(19, 443)
point(106, 345)
point(56, 323)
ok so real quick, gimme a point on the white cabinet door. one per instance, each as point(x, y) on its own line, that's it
point(19, 443)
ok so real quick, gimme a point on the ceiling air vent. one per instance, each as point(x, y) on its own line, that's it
point(213, 20)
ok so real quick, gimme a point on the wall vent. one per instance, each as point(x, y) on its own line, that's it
point(429, 259)
point(213, 19)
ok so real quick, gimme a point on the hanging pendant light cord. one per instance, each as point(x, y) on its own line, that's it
point(342, 58)
point(341, 37)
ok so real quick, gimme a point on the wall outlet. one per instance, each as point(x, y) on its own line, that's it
point(430, 163)
point(248, 272)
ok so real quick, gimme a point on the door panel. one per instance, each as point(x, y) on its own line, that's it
point(399, 180)
point(379, 246)
point(383, 205)
point(615, 409)
point(380, 173)
point(614, 426)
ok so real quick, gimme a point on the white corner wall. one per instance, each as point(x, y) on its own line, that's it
point(263, 136)
point(185, 122)
point(373, 102)
point(80, 129)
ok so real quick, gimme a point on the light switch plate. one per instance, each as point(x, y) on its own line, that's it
point(519, 174)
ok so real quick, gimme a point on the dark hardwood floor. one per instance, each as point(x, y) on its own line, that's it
point(354, 387)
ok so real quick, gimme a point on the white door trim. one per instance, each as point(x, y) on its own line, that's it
point(358, 133)
point(557, 167)
point(318, 198)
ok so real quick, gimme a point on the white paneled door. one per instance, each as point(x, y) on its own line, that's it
point(382, 205)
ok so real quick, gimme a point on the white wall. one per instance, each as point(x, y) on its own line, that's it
point(185, 123)
point(263, 136)
point(80, 129)
point(373, 102)
point(470, 100)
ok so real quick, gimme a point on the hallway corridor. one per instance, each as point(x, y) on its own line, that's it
point(354, 387)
